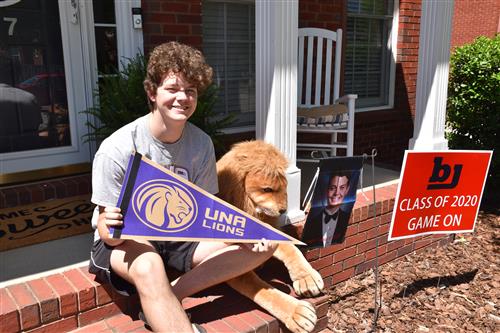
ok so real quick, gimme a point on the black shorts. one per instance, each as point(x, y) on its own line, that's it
point(176, 255)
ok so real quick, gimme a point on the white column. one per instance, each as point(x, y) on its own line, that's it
point(276, 29)
point(130, 40)
point(432, 78)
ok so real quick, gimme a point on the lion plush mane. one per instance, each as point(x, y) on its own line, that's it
point(244, 170)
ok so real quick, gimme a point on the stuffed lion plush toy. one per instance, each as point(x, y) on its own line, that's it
point(252, 177)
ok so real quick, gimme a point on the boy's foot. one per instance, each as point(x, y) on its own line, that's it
point(144, 320)
point(198, 328)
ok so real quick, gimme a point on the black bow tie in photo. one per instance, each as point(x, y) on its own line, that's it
point(331, 217)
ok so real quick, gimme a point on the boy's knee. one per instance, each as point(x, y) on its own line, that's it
point(144, 269)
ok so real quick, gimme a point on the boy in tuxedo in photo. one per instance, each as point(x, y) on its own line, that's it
point(327, 225)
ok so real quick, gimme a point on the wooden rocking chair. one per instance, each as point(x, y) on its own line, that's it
point(319, 108)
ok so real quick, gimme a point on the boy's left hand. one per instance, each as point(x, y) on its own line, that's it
point(263, 246)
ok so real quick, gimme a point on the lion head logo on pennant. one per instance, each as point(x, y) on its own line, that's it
point(164, 205)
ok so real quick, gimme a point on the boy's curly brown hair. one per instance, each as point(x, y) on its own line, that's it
point(177, 58)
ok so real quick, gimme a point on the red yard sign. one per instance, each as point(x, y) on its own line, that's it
point(439, 192)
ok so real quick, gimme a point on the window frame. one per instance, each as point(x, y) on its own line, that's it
point(392, 43)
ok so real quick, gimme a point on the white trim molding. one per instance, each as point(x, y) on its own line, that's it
point(432, 77)
point(130, 40)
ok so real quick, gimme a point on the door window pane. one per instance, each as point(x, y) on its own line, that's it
point(107, 56)
point(105, 36)
point(33, 100)
point(104, 11)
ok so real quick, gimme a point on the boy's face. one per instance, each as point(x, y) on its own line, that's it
point(175, 98)
point(337, 190)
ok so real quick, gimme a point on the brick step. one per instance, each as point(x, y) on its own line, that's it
point(74, 301)
point(124, 323)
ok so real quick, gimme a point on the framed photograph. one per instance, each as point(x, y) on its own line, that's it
point(332, 197)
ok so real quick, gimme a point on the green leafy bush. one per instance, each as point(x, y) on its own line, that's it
point(120, 99)
point(473, 113)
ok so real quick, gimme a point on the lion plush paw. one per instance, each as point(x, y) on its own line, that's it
point(303, 318)
point(309, 285)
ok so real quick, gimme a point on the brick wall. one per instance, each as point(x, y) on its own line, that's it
point(473, 18)
point(407, 55)
point(329, 15)
point(60, 303)
point(167, 20)
point(30, 193)
point(358, 253)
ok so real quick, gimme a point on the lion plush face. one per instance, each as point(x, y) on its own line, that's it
point(267, 194)
point(252, 176)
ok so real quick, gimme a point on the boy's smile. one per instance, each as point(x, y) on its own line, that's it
point(175, 98)
point(337, 190)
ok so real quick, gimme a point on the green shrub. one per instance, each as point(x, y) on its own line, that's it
point(474, 100)
point(120, 99)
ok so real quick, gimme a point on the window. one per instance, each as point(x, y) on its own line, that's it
point(105, 36)
point(33, 101)
point(229, 47)
point(369, 68)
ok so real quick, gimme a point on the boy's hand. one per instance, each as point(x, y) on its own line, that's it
point(109, 217)
point(263, 246)
point(113, 217)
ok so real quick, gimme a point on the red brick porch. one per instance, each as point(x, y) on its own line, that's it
point(73, 300)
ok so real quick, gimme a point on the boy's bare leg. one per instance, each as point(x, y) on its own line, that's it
point(214, 263)
point(138, 263)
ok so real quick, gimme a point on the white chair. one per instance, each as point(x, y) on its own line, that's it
point(319, 108)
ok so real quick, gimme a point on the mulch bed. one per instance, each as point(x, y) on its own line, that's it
point(447, 289)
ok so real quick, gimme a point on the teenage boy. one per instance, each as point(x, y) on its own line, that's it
point(176, 75)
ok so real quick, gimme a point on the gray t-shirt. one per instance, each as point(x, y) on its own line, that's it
point(191, 157)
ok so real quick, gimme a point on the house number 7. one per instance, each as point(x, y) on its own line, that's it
point(13, 22)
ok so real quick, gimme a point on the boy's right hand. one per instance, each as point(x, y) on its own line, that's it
point(109, 217)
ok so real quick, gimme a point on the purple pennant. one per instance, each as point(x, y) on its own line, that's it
point(160, 205)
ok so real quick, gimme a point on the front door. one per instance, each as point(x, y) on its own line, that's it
point(43, 85)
